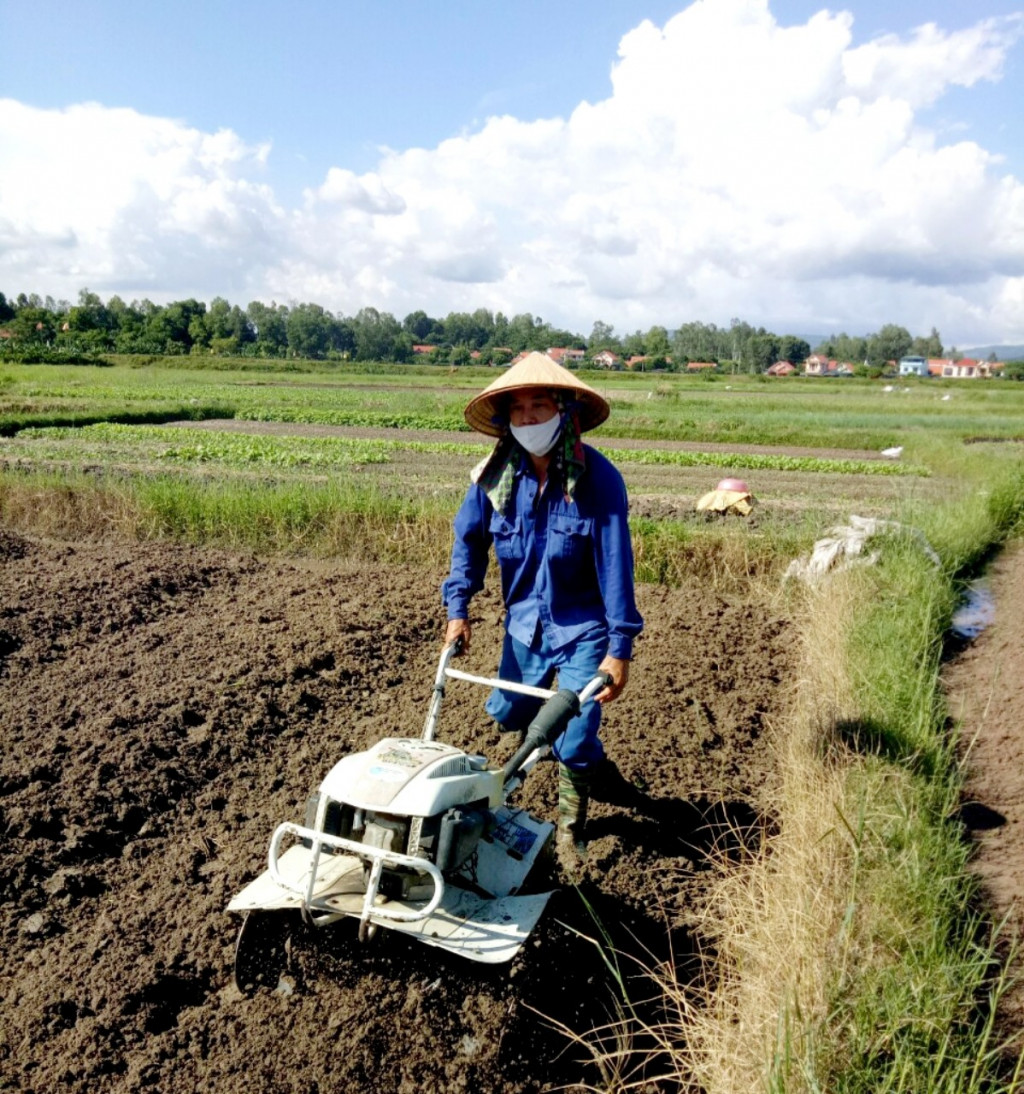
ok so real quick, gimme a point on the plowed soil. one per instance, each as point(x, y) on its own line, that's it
point(163, 708)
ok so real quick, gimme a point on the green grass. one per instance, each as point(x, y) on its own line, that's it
point(334, 518)
point(917, 956)
point(819, 413)
point(325, 519)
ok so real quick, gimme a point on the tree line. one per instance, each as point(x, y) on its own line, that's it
point(92, 327)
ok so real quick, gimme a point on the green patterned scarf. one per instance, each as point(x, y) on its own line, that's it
point(496, 474)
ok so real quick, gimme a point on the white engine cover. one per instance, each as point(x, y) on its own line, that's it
point(413, 778)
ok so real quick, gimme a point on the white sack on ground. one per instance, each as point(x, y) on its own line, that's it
point(843, 548)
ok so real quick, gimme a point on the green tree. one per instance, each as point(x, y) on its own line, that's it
point(852, 348)
point(90, 314)
point(309, 331)
point(463, 329)
point(269, 323)
point(379, 337)
point(889, 344)
point(794, 350)
point(602, 336)
point(760, 351)
point(700, 342)
point(419, 325)
point(633, 345)
point(225, 329)
point(927, 347)
point(33, 325)
point(656, 343)
point(171, 327)
point(500, 329)
point(522, 332)
point(844, 347)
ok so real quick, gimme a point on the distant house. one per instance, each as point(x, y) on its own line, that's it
point(936, 365)
point(640, 361)
point(782, 368)
point(818, 365)
point(423, 348)
point(700, 366)
point(606, 359)
point(914, 365)
point(969, 368)
point(565, 355)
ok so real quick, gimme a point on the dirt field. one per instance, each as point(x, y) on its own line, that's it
point(164, 708)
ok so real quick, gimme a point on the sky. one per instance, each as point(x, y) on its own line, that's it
point(639, 162)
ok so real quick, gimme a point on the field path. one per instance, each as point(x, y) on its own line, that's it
point(983, 684)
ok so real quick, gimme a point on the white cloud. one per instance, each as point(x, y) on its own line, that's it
point(111, 198)
point(737, 168)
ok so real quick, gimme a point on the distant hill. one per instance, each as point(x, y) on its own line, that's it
point(1003, 353)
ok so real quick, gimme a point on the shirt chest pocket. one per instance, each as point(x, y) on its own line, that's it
point(570, 537)
point(507, 536)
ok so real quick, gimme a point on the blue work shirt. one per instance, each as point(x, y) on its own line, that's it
point(565, 565)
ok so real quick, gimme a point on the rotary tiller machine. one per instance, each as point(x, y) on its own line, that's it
point(413, 835)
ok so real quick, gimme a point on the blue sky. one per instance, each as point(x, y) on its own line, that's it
point(238, 150)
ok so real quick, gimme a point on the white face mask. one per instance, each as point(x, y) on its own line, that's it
point(538, 440)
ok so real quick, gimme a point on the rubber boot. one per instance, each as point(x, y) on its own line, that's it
point(573, 799)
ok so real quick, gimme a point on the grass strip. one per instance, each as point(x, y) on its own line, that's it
point(345, 518)
point(916, 958)
point(854, 956)
point(337, 519)
point(14, 422)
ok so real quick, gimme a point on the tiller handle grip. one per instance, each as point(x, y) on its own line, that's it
point(551, 720)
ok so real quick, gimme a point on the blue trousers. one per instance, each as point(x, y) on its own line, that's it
point(576, 665)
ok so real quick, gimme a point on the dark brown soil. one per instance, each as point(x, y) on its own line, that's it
point(163, 708)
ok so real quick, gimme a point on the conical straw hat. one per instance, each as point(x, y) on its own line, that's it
point(485, 412)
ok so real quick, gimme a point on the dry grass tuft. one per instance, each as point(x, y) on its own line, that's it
point(747, 1023)
point(75, 509)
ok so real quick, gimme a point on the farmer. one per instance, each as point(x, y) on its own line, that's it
point(555, 511)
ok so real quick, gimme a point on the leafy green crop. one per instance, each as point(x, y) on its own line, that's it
point(366, 418)
point(762, 462)
point(141, 444)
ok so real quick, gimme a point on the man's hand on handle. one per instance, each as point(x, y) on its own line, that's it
point(618, 670)
point(458, 628)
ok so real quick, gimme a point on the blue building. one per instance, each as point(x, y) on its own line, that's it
point(913, 366)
